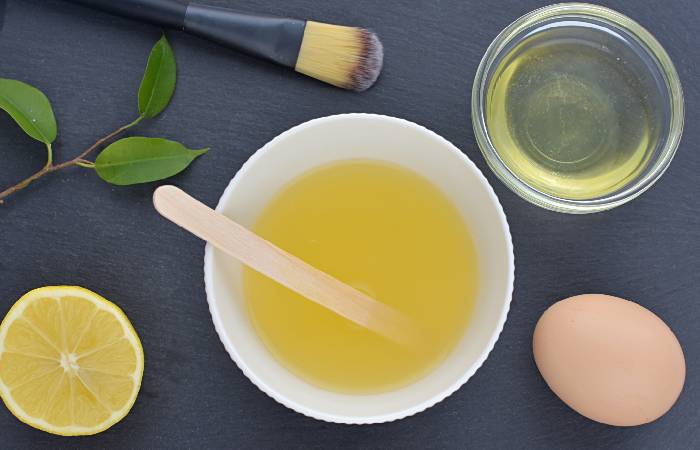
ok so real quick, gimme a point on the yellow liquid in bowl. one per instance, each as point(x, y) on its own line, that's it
point(386, 231)
point(572, 112)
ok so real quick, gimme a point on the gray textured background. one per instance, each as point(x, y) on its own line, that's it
point(70, 228)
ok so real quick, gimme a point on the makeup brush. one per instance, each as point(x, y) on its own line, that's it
point(347, 57)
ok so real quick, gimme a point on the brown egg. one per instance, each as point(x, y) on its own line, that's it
point(610, 359)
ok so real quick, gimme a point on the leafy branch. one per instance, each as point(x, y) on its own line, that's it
point(127, 161)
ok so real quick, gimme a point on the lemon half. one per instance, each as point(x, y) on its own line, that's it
point(70, 361)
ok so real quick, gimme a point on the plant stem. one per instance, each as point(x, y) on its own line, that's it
point(77, 161)
point(93, 147)
point(85, 163)
point(49, 155)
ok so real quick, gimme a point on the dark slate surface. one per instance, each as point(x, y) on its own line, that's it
point(73, 229)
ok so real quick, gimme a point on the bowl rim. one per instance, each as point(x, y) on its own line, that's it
point(395, 415)
point(665, 65)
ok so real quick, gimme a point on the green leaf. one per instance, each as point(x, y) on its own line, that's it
point(158, 81)
point(135, 160)
point(30, 108)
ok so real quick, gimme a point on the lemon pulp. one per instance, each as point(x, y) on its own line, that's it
point(70, 361)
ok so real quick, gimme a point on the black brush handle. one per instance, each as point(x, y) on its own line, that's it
point(165, 13)
point(274, 38)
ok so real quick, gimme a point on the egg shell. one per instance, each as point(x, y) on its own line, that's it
point(609, 359)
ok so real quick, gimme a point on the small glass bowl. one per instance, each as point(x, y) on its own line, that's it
point(633, 35)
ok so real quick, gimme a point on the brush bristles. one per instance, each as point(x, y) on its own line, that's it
point(347, 57)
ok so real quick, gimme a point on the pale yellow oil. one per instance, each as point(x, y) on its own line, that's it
point(386, 231)
point(570, 114)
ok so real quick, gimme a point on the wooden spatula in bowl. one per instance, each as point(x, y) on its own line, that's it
point(263, 256)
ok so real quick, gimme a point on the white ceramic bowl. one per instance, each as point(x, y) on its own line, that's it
point(347, 136)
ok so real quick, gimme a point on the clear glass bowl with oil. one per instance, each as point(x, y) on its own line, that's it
point(577, 108)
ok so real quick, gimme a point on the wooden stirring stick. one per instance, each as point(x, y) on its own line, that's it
point(286, 269)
